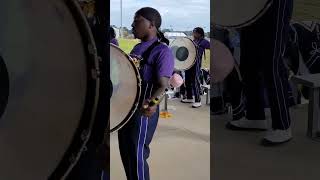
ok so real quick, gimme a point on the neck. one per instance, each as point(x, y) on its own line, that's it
point(149, 37)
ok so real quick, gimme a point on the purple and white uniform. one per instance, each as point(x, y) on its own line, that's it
point(159, 64)
point(193, 74)
point(136, 135)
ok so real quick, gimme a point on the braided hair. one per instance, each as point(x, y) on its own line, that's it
point(199, 30)
point(153, 16)
point(112, 33)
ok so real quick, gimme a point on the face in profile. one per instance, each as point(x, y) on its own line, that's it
point(196, 35)
point(140, 27)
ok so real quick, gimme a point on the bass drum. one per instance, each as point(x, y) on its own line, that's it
point(49, 88)
point(237, 13)
point(222, 62)
point(184, 51)
point(125, 89)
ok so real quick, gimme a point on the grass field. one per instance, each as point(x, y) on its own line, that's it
point(127, 44)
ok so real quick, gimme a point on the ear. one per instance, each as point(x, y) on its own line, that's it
point(151, 25)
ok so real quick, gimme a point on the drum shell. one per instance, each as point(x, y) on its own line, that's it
point(53, 88)
point(187, 43)
point(238, 14)
point(126, 89)
point(222, 61)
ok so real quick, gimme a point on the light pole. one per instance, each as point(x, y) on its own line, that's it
point(120, 30)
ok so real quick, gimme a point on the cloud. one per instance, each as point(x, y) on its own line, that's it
point(178, 14)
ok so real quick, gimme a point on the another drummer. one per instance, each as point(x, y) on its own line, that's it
point(192, 75)
point(112, 37)
point(156, 68)
point(262, 49)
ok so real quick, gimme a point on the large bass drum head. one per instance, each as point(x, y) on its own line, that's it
point(222, 61)
point(237, 13)
point(184, 51)
point(44, 85)
point(125, 90)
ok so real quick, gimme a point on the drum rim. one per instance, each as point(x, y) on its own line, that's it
point(197, 53)
point(251, 20)
point(82, 134)
point(138, 94)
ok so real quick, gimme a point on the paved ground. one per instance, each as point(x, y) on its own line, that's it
point(180, 149)
point(238, 155)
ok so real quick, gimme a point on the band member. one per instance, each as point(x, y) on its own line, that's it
point(217, 95)
point(156, 67)
point(303, 50)
point(262, 47)
point(112, 37)
point(193, 74)
point(304, 41)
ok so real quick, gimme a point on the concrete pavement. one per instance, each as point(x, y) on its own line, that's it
point(180, 149)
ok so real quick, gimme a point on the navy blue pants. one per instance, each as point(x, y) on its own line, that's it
point(262, 46)
point(134, 140)
point(193, 82)
point(105, 176)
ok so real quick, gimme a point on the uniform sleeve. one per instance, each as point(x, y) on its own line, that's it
point(205, 44)
point(165, 63)
point(135, 49)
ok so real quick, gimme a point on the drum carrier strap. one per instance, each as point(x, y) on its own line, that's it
point(146, 54)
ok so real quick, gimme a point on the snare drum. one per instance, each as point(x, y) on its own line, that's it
point(49, 87)
point(185, 52)
point(126, 88)
point(238, 13)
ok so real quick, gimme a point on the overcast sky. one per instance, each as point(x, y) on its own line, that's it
point(177, 14)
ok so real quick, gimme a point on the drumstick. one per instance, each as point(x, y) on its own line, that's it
point(156, 100)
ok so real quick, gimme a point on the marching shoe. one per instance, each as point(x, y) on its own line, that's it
point(245, 124)
point(196, 104)
point(187, 100)
point(277, 137)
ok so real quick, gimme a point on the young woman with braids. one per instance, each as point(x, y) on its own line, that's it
point(156, 67)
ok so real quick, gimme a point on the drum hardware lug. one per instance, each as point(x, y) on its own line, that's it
point(99, 58)
point(84, 149)
point(95, 73)
point(84, 135)
point(92, 49)
point(72, 159)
